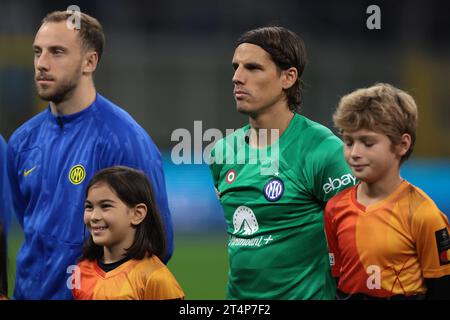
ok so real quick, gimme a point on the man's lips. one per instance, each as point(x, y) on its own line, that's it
point(240, 94)
point(44, 82)
point(44, 79)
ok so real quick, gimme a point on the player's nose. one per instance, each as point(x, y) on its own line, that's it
point(42, 62)
point(238, 76)
point(355, 151)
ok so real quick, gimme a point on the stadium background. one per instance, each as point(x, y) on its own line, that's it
point(168, 63)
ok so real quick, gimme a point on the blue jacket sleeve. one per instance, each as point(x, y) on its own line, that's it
point(17, 202)
point(5, 200)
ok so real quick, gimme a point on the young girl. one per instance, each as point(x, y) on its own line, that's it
point(122, 257)
point(387, 239)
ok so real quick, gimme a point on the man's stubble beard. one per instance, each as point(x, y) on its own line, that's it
point(63, 90)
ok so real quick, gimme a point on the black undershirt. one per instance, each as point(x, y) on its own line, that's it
point(107, 267)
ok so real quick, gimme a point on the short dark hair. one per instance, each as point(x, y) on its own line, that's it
point(90, 32)
point(132, 187)
point(286, 49)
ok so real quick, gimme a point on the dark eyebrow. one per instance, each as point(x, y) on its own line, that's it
point(362, 138)
point(253, 65)
point(106, 200)
point(367, 138)
point(51, 48)
point(54, 48)
point(249, 65)
point(101, 201)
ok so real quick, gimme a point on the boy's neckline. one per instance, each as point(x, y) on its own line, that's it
point(375, 205)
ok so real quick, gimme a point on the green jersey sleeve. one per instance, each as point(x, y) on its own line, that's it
point(330, 173)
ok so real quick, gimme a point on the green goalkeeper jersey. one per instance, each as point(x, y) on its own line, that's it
point(273, 200)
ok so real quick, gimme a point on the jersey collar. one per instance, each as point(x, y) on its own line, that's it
point(72, 118)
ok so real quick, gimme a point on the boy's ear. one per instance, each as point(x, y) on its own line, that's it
point(139, 214)
point(404, 145)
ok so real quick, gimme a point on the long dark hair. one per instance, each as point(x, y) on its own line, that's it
point(287, 50)
point(3, 262)
point(132, 187)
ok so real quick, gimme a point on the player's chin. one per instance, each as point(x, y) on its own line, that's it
point(365, 177)
point(243, 108)
point(45, 94)
point(359, 174)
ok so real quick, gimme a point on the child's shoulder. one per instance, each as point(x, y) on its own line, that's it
point(86, 264)
point(340, 200)
point(417, 199)
point(149, 265)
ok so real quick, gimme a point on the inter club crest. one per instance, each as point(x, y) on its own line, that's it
point(274, 189)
